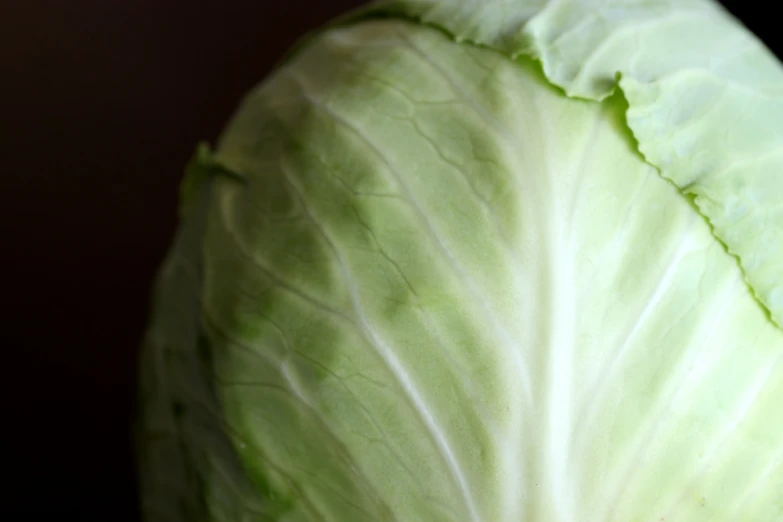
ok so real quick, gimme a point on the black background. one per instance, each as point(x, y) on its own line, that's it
point(101, 103)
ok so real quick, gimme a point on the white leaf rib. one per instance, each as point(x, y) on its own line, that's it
point(607, 372)
point(393, 363)
point(307, 402)
point(273, 278)
point(463, 372)
point(667, 400)
point(433, 326)
point(558, 337)
point(588, 149)
point(758, 486)
point(499, 329)
point(747, 403)
point(510, 140)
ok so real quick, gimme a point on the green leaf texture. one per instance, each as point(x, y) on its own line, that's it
point(498, 261)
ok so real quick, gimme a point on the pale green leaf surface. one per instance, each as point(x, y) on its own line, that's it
point(447, 292)
point(705, 96)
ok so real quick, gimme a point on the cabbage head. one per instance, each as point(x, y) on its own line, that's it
point(481, 261)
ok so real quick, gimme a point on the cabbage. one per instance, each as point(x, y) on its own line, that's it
point(481, 261)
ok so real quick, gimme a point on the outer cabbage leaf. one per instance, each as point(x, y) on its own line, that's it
point(446, 291)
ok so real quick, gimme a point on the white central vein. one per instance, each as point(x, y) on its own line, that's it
point(558, 300)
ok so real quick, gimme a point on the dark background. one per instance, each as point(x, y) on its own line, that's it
point(101, 104)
